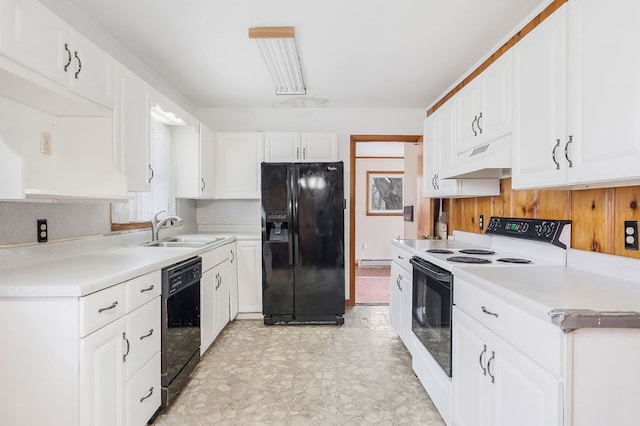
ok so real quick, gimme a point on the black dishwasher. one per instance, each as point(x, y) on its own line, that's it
point(180, 325)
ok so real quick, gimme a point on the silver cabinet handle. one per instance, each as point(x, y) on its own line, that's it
point(473, 125)
point(66, 48)
point(75, 53)
point(297, 153)
point(493, 356)
point(148, 395)
point(437, 181)
point(233, 256)
point(566, 151)
point(304, 153)
point(203, 184)
point(151, 170)
point(400, 282)
point(147, 289)
point(488, 312)
point(484, 351)
point(553, 154)
point(478, 123)
point(400, 257)
point(124, 357)
point(147, 335)
point(113, 305)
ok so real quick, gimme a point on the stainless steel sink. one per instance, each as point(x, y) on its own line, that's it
point(191, 244)
point(205, 240)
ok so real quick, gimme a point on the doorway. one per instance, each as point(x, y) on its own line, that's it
point(352, 207)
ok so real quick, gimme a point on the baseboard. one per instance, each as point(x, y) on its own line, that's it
point(363, 263)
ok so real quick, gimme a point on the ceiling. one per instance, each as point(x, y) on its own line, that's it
point(353, 53)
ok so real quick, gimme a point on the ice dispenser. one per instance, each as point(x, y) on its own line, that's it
point(277, 225)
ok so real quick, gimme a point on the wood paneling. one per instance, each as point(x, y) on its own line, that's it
point(626, 208)
point(592, 220)
point(597, 215)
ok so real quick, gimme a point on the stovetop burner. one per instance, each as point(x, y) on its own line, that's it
point(513, 260)
point(467, 259)
point(477, 251)
point(439, 251)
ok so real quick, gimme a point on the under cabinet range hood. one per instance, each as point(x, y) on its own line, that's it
point(489, 160)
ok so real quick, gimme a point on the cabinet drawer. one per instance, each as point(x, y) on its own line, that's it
point(539, 340)
point(142, 289)
point(143, 393)
point(143, 336)
point(401, 257)
point(100, 308)
point(214, 257)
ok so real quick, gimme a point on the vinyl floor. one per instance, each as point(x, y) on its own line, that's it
point(355, 374)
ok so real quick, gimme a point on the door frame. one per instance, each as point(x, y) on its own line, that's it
point(351, 301)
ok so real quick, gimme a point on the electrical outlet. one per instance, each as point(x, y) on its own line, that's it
point(43, 231)
point(45, 143)
point(631, 235)
point(481, 222)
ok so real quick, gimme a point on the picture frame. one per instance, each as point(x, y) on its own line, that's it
point(385, 193)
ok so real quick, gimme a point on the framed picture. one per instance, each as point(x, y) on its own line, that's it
point(384, 193)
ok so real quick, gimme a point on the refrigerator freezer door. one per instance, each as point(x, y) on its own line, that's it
point(319, 241)
point(277, 244)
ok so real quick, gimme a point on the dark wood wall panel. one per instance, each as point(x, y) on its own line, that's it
point(597, 215)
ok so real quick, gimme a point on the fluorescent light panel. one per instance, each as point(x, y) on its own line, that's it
point(278, 48)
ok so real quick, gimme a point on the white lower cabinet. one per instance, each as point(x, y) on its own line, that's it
point(221, 297)
point(102, 376)
point(400, 298)
point(496, 384)
point(233, 281)
point(143, 393)
point(249, 276)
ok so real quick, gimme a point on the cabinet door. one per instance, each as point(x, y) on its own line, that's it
point(238, 157)
point(35, 37)
point(233, 281)
point(282, 147)
point(91, 72)
point(395, 298)
point(207, 309)
point(187, 157)
point(102, 371)
point(406, 301)
point(134, 129)
point(604, 91)
point(467, 117)
point(471, 353)
point(431, 136)
point(522, 393)
point(221, 297)
point(494, 117)
point(249, 276)
point(207, 162)
point(319, 147)
point(540, 102)
point(143, 336)
point(444, 150)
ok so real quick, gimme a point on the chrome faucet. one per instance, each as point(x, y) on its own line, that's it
point(156, 225)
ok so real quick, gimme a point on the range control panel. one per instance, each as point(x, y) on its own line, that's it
point(543, 230)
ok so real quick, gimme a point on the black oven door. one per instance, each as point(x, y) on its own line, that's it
point(431, 310)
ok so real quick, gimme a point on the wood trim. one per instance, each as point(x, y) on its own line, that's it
point(379, 158)
point(351, 301)
point(498, 53)
point(130, 226)
point(272, 32)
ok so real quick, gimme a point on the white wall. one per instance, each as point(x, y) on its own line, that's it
point(374, 233)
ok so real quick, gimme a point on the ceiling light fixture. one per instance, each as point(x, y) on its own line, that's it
point(278, 48)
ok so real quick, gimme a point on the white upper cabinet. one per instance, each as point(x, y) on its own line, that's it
point(484, 107)
point(576, 98)
point(439, 132)
point(540, 101)
point(132, 124)
point(35, 37)
point(237, 165)
point(195, 162)
point(604, 92)
point(300, 147)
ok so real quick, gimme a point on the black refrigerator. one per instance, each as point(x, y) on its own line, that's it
point(303, 243)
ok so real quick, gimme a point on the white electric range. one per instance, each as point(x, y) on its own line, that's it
point(507, 242)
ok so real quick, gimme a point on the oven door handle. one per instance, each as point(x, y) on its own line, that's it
point(437, 275)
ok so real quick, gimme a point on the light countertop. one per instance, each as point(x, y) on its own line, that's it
point(80, 275)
